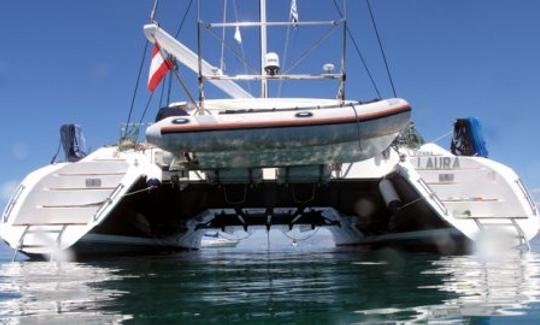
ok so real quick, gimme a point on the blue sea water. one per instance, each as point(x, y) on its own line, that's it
point(311, 282)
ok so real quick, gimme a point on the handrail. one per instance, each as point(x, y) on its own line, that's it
point(323, 76)
point(433, 195)
point(274, 23)
point(527, 196)
point(12, 202)
point(108, 201)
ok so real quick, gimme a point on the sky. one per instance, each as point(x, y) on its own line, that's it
point(77, 62)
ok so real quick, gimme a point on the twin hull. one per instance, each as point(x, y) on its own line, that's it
point(101, 206)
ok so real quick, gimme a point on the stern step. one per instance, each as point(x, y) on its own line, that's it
point(510, 223)
point(40, 234)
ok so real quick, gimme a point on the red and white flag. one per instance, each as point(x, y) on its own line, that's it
point(159, 67)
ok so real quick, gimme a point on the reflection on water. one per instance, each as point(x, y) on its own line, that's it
point(43, 292)
point(283, 286)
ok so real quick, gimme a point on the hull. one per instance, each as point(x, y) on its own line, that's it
point(438, 206)
point(445, 241)
point(101, 245)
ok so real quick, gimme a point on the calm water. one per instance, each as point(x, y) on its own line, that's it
point(307, 283)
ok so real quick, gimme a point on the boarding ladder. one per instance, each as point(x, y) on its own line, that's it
point(488, 223)
point(44, 231)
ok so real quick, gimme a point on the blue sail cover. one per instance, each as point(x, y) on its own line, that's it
point(468, 139)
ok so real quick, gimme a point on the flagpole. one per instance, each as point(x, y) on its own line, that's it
point(264, 82)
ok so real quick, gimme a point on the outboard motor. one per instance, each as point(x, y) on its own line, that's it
point(468, 139)
point(72, 142)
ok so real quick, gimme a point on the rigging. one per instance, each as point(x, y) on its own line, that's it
point(359, 53)
point(381, 48)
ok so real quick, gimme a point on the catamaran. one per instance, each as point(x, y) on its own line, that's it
point(245, 162)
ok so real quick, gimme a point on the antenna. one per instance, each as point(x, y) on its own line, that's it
point(264, 82)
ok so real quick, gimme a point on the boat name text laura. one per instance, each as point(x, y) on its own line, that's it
point(437, 163)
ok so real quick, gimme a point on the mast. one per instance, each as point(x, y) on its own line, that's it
point(263, 39)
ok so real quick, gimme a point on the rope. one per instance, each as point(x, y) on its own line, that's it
point(141, 65)
point(441, 137)
point(295, 199)
point(381, 48)
point(236, 238)
point(53, 160)
point(162, 91)
point(357, 127)
point(170, 87)
point(295, 240)
point(238, 56)
point(311, 49)
point(183, 19)
point(146, 189)
point(146, 107)
point(175, 73)
point(242, 200)
point(359, 53)
point(408, 204)
point(136, 88)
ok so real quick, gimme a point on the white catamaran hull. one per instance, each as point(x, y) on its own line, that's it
point(100, 205)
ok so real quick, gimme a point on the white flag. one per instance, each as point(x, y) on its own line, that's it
point(237, 35)
point(294, 12)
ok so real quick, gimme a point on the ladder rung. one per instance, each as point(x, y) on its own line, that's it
point(43, 231)
point(492, 217)
point(53, 224)
point(34, 246)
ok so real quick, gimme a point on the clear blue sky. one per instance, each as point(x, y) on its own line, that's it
point(76, 61)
